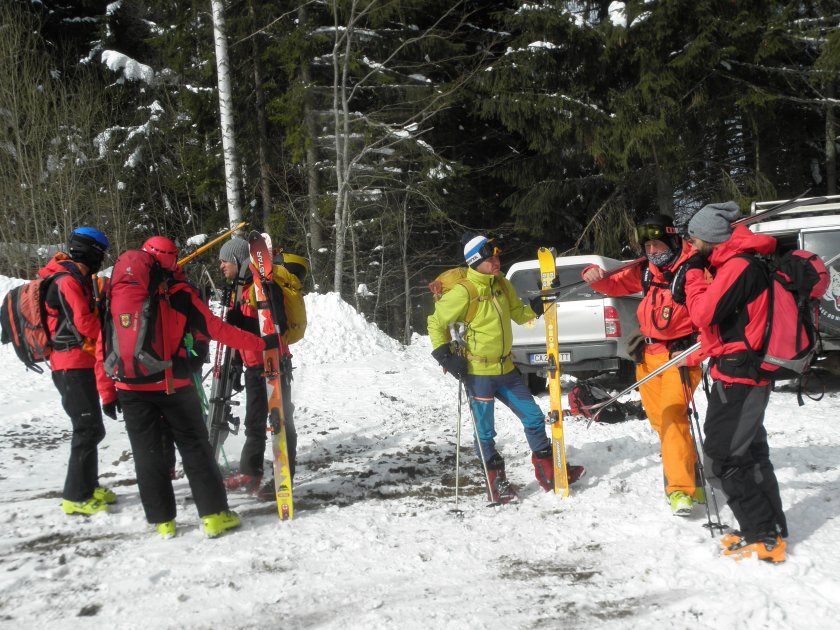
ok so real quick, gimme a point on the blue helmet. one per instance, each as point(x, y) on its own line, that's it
point(88, 245)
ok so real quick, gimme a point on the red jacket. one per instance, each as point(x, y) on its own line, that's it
point(735, 304)
point(660, 318)
point(247, 318)
point(72, 318)
point(186, 313)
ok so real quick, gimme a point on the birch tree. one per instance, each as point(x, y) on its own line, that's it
point(234, 202)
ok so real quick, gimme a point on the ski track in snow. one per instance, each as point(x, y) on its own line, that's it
point(374, 543)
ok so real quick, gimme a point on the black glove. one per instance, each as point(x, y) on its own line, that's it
point(236, 376)
point(110, 409)
point(537, 305)
point(272, 341)
point(455, 364)
point(678, 281)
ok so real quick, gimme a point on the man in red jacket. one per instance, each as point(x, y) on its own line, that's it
point(667, 330)
point(167, 400)
point(234, 259)
point(729, 311)
point(73, 324)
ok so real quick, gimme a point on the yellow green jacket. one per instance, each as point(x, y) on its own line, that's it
point(489, 334)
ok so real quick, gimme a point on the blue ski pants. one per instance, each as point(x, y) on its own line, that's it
point(512, 391)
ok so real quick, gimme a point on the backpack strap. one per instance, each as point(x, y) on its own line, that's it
point(474, 299)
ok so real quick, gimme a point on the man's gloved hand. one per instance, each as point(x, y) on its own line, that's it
point(272, 341)
point(537, 305)
point(455, 364)
point(678, 282)
point(110, 409)
point(236, 376)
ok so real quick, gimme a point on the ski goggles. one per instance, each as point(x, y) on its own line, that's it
point(481, 251)
point(652, 232)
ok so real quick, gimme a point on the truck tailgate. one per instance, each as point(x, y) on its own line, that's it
point(577, 321)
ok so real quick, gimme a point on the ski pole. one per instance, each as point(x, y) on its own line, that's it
point(599, 407)
point(457, 330)
point(694, 417)
point(207, 246)
point(561, 292)
point(458, 446)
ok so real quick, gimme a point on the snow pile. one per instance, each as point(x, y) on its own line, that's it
point(334, 331)
point(7, 284)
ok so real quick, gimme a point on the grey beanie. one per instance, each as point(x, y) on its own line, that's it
point(713, 222)
point(235, 250)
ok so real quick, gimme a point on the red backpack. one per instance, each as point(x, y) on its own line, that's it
point(23, 319)
point(132, 329)
point(797, 281)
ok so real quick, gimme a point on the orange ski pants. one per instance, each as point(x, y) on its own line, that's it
point(666, 403)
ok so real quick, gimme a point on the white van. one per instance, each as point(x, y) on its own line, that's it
point(815, 228)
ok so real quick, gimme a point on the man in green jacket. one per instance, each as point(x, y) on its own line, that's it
point(486, 368)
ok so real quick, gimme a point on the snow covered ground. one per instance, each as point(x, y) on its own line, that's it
point(374, 543)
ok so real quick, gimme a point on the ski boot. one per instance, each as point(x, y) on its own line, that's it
point(243, 482)
point(86, 508)
point(543, 462)
point(681, 503)
point(105, 495)
point(767, 547)
point(166, 530)
point(501, 491)
point(730, 538)
point(216, 524)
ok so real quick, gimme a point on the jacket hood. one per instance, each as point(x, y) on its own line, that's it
point(60, 263)
point(742, 241)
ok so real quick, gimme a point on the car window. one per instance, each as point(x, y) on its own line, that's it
point(527, 280)
point(825, 244)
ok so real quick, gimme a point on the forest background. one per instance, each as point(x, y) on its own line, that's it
point(368, 135)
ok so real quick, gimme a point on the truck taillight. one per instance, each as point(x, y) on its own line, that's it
point(612, 325)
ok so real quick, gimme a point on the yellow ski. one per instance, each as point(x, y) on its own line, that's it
point(548, 269)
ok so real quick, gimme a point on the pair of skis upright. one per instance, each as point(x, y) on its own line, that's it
point(548, 270)
point(275, 364)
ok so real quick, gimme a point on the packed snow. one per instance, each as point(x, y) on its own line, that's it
point(375, 542)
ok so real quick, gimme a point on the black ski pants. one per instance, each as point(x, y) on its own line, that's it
point(739, 458)
point(80, 400)
point(148, 415)
point(256, 417)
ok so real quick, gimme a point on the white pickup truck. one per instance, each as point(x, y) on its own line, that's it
point(593, 329)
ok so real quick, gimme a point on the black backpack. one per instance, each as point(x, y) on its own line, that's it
point(585, 394)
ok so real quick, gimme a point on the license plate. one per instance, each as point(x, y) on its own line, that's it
point(565, 357)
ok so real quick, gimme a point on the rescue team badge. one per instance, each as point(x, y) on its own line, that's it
point(666, 312)
point(125, 320)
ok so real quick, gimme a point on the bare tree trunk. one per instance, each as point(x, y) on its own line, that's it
point(316, 226)
point(406, 276)
point(355, 265)
point(226, 114)
point(341, 121)
point(830, 143)
point(262, 125)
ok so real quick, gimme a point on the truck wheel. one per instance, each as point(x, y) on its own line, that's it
point(536, 384)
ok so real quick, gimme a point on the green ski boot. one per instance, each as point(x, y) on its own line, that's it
point(105, 495)
point(166, 530)
point(86, 508)
point(215, 524)
point(681, 503)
